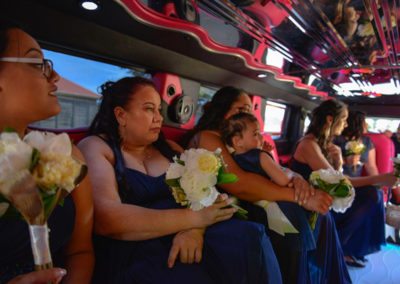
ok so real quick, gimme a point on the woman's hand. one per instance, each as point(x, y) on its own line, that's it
point(188, 245)
point(216, 212)
point(302, 189)
point(320, 202)
point(388, 179)
point(53, 275)
point(335, 156)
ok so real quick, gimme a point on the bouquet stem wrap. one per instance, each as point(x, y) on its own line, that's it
point(40, 246)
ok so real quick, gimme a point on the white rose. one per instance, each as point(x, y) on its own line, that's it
point(201, 160)
point(174, 171)
point(330, 175)
point(197, 186)
point(15, 155)
point(341, 204)
point(47, 142)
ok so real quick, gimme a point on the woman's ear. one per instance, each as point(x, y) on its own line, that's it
point(120, 115)
point(329, 119)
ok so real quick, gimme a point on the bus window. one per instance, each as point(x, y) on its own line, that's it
point(273, 118)
point(205, 95)
point(78, 89)
point(381, 124)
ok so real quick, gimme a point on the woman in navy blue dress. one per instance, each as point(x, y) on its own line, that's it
point(316, 151)
point(27, 94)
point(361, 228)
point(296, 262)
point(140, 230)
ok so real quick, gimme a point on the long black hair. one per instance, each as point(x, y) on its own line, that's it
point(317, 125)
point(215, 111)
point(105, 124)
point(355, 125)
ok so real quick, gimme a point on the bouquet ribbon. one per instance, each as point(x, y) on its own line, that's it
point(40, 245)
point(277, 221)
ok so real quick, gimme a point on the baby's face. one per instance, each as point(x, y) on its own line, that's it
point(251, 137)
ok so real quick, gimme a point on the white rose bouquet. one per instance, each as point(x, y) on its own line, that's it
point(354, 148)
point(36, 173)
point(193, 178)
point(335, 184)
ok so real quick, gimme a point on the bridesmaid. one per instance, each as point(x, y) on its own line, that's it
point(297, 260)
point(141, 234)
point(27, 94)
point(316, 151)
point(369, 235)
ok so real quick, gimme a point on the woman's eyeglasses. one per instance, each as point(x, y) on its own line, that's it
point(45, 64)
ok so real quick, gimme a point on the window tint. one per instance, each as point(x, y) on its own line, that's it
point(78, 88)
point(205, 95)
point(381, 124)
point(273, 118)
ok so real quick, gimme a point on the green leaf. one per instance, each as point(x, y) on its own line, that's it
point(240, 213)
point(173, 182)
point(180, 162)
point(34, 159)
point(9, 129)
point(226, 178)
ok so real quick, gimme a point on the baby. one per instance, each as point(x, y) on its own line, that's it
point(242, 133)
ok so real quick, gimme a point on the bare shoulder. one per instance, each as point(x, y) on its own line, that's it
point(93, 145)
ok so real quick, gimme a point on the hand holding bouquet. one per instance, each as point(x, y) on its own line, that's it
point(193, 178)
point(335, 184)
point(36, 173)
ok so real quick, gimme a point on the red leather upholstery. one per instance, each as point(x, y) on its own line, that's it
point(173, 133)
point(384, 152)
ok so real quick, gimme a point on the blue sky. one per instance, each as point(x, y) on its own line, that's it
point(87, 73)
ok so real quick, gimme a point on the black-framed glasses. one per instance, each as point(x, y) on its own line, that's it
point(45, 64)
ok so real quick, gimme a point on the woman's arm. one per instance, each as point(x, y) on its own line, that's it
point(309, 152)
point(79, 251)
point(252, 187)
point(131, 222)
point(370, 165)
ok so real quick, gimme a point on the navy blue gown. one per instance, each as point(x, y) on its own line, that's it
point(234, 251)
point(310, 256)
point(361, 228)
point(326, 263)
point(15, 247)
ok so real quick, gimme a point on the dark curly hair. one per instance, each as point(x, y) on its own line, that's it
point(317, 125)
point(215, 111)
point(355, 125)
point(105, 123)
point(235, 125)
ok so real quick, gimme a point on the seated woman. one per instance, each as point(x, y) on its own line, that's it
point(369, 235)
point(316, 151)
point(322, 261)
point(27, 94)
point(140, 229)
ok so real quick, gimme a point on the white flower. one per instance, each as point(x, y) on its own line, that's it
point(15, 155)
point(328, 175)
point(47, 142)
point(201, 160)
point(175, 171)
point(196, 185)
point(340, 205)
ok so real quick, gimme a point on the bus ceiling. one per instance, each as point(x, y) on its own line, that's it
point(298, 52)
